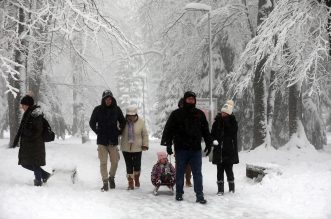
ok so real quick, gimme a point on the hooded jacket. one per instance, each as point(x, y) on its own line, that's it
point(107, 122)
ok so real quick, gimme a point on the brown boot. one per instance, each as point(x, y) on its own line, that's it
point(188, 176)
point(136, 179)
point(130, 182)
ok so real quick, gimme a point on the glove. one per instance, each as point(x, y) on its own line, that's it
point(207, 150)
point(215, 142)
point(169, 150)
point(144, 148)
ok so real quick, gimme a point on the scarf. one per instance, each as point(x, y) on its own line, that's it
point(131, 132)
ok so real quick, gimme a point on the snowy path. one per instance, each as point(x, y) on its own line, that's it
point(302, 191)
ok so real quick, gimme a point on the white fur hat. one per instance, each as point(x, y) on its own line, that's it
point(228, 107)
point(131, 110)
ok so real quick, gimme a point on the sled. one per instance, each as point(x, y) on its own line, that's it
point(168, 185)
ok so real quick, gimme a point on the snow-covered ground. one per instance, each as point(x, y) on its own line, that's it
point(303, 190)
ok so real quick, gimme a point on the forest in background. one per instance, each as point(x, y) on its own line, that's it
point(271, 57)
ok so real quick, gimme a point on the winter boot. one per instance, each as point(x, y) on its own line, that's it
point(45, 176)
point(188, 180)
point(220, 186)
point(130, 182)
point(231, 186)
point(37, 182)
point(179, 197)
point(136, 179)
point(112, 182)
point(201, 200)
point(105, 186)
point(156, 189)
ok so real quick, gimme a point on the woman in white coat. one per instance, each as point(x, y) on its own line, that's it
point(134, 140)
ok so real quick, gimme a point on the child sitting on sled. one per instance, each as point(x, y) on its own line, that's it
point(163, 173)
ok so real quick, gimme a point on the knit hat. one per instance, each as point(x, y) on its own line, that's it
point(131, 110)
point(228, 107)
point(107, 93)
point(27, 100)
point(161, 155)
point(189, 94)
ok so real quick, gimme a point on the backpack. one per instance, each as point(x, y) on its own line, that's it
point(48, 134)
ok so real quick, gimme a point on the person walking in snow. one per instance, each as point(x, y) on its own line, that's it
point(29, 137)
point(107, 121)
point(225, 153)
point(188, 170)
point(185, 128)
point(134, 140)
point(163, 173)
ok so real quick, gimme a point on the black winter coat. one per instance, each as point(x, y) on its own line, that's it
point(224, 130)
point(185, 129)
point(32, 146)
point(107, 122)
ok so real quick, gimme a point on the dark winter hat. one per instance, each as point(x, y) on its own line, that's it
point(107, 93)
point(27, 100)
point(189, 94)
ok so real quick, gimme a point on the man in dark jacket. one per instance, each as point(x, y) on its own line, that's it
point(107, 121)
point(31, 154)
point(185, 128)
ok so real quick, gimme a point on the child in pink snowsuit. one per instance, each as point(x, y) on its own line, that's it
point(163, 173)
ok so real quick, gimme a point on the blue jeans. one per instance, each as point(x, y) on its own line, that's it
point(194, 158)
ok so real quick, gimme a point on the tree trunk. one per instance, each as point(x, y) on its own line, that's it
point(260, 117)
point(259, 134)
point(294, 108)
point(14, 102)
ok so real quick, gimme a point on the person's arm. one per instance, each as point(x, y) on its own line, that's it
point(121, 120)
point(168, 131)
point(205, 131)
point(144, 135)
point(234, 140)
point(93, 121)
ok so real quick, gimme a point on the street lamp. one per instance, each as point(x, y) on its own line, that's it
point(206, 8)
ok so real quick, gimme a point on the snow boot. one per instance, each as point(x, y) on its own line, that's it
point(220, 186)
point(112, 182)
point(136, 179)
point(231, 186)
point(156, 189)
point(179, 197)
point(46, 176)
point(130, 182)
point(188, 180)
point(105, 186)
point(37, 182)
point(201, 200)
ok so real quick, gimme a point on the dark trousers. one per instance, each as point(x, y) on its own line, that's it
point(194, 158)
point(39, 173)
point(228, 170)
point(132, 161)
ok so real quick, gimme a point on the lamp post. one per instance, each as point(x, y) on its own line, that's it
point(206, 8)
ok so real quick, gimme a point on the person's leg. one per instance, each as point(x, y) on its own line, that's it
point(114, 158)
point(220, 178)
point(181, 162)
point(196, 164)
point(128, 157)
point(137, 168)
point(230, 176)
point(103, 158)
point(188, 176)
point(37, 173)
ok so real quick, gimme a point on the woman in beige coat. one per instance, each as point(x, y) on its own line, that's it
point(134, 140)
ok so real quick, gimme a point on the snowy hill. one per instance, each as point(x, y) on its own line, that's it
point(303, 190)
